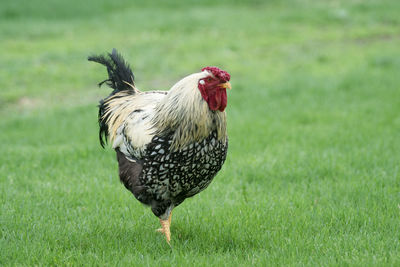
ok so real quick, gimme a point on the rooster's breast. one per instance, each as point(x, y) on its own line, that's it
point(176, 175)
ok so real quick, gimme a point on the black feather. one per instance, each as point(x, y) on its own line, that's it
point(120, 78)
point(103, 132)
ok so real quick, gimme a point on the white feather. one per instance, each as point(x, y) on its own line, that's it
point(132, 136)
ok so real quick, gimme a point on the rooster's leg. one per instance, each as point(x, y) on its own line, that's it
point(165, 225)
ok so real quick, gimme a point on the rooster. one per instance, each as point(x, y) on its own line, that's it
point(169, 144)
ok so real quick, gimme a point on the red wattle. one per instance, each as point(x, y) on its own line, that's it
point(214, 101)
point(224, 100)
point(217, 100)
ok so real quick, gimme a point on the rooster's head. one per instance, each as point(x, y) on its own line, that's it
point(213, 87)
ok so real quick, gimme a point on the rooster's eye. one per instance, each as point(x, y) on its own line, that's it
point(209, 79)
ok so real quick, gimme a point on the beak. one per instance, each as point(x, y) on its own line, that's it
point(225, 85)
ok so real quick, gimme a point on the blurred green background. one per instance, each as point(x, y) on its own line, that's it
point(313, 119)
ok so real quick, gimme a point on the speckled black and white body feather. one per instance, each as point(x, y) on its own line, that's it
point(166, 178)
point(169, 144)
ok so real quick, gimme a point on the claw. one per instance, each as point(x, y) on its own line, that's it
point(165, 225)
point(165, 229)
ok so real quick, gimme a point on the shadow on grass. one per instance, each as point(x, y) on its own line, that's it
point(205, 238)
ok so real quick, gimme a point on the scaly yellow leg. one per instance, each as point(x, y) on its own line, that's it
point(169, 218)
point(165, 224)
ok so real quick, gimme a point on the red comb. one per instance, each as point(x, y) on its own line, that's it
point(222, 75)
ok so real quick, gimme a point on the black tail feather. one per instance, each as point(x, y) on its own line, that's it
point(103, 133)
point(120, 78)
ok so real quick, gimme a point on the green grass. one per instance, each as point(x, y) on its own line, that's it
point(312, 174)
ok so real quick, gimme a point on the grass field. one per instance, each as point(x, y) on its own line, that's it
point(312, 174)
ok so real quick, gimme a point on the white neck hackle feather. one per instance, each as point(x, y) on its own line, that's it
point(184, 110)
